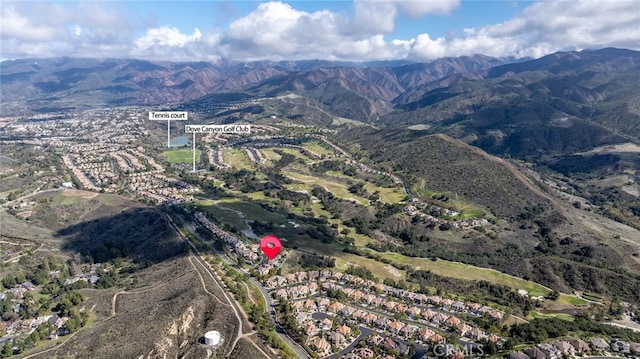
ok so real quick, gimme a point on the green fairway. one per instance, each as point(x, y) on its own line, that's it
point(270, 154)
point(468, 272)
point(226, 216)
point(183, 155)
point(338, 189)
point(563, 316)
point(254, 212)
point(296, 152)
point(238, 159)
point(572, 300)
point(387, 195)
point(315, 147)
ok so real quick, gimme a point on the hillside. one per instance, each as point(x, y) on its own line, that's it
point(155, 293)
point(539, 239)
point(47, 85)
point(556, 105)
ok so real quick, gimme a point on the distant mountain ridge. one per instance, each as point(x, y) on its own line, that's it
point(70, 83)
point(559, 104)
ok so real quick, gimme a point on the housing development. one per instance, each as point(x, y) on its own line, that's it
point(341, 288)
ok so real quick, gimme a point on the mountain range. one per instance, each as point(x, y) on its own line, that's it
point(71, 83)
point(469, 126)
point(558, 105)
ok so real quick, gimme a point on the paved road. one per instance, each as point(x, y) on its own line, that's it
point(419, 350)
point(300, 352)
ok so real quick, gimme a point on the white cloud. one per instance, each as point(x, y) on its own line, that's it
point(417, 8)
point(14, 25)
point(278, 31)
point(167, 36)
point(545, 27)
point(44, 29)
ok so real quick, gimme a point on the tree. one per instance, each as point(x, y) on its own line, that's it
point(7, 349)
point(553, 295)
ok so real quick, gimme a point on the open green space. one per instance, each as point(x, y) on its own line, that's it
point(270, 154)
point(379, 270)
point(468, 272)
point(533, 314)
point(260, 197)
point(253, 212)
point(317, 148)
point(470, 212)
point(338, 174)
point(592, 297)
point(571, 299)
point(61, 200)
point(181, 155)
point(387, 195)
point(238, 159)
point(296, 152)
point(225, 216)
point(344, 259)
point(308, 182)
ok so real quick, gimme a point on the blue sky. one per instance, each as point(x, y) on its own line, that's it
point(204, 14)
point(358, 30)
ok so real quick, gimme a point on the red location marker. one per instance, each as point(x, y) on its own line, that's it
point(270, 246)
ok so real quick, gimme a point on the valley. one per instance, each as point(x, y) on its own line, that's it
point(427, 207)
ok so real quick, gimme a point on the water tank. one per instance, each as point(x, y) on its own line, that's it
point(212, 337)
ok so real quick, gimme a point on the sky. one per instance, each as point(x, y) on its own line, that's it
point(358, 30)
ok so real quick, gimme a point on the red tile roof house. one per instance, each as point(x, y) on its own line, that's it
point(413, 312)
point(452, 322)
point(436, 338)
point(311, 330)
point(439, 318)
point(580, 345)
point(370, 318)
point(395, 326)
point(565, 348)
point(344, 330)
point(407, 331)
point(425, 333)
point(428, 314)
point(374, 340)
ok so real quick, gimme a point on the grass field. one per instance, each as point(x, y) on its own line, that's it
point(592, 296)
point(468, 272)
point(387, 195)
point(338, 189)
point(315, 147)
point(563, 316)
point(380, 270)
point(270, 154)
point(572, 300)
point(470, 212)
point(226, 215)
point(254, 212)
point(62, 200)
point(238, 159)
point(296, 152)
point(338, 174)
point(182, 155)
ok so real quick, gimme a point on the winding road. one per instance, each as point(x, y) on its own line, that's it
point(295, 347)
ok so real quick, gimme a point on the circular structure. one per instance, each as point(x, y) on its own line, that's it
point(212, 338)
